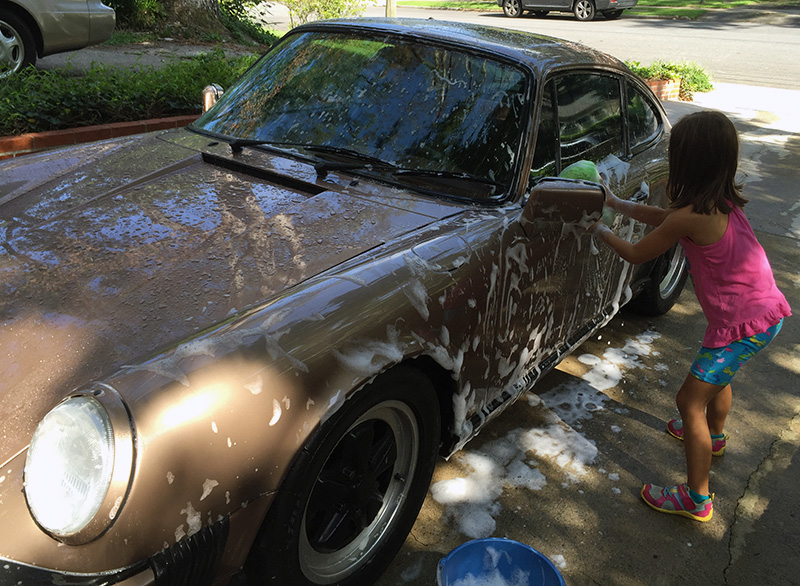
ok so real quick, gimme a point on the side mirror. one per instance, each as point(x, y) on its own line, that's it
point(211, 93)
point(563, 201)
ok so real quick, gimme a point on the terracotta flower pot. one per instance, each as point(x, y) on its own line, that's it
point(665, 89)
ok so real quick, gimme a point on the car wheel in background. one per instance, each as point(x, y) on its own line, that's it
point(667, 280)
point(513, 8)
point(583, 9)
point(17, 48)
point(611, 14)
point(540, 13)
point(351, 497)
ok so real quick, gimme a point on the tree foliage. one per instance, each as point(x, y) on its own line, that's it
point(302, 11)
point(204, 20)
point(210, 14)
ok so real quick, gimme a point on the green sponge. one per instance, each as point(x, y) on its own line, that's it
point(585, 170)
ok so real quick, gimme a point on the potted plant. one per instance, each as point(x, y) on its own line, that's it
point(673, 81)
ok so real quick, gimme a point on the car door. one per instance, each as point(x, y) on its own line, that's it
point(582, 119)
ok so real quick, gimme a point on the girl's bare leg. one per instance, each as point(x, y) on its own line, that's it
point(717, 410)
point(694, 398)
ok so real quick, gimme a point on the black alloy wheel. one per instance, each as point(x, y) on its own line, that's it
point(667, 280)
point(355, 490)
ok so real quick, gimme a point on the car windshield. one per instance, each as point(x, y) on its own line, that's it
point(431, 117)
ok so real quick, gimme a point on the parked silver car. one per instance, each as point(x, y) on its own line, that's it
point(36, 28)
point(582, 9)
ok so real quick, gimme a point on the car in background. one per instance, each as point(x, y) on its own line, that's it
point(238, 348)
point(582, 9)
point(37, 28)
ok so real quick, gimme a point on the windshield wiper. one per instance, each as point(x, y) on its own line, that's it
point(352, 159)
point(238, 144)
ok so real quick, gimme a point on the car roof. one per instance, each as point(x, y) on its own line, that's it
point(539, 52)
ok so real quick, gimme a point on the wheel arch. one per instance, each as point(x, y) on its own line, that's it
point(29, 20)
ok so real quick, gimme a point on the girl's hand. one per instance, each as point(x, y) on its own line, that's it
point(598, 229)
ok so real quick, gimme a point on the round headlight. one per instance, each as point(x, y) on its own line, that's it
point(69, 466)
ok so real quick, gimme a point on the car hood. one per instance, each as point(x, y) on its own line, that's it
point(111, 252)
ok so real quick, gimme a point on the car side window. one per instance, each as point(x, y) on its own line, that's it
point(643, 121)
point(589, 117)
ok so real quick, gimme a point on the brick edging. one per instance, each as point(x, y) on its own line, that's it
point(23, 144)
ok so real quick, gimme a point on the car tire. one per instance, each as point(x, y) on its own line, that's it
point(513, 8)
point(583, 10)
point(540, 13)
point(611, 14)
point(17, 46)
point(371, 464)
point(667, 280)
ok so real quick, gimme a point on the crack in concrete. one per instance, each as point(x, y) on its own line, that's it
point(753, 503)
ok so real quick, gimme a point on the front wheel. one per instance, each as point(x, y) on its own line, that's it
point(17, 48)
point(667, 280)
point(355, 490)
point(583, 9)
point(513, 8)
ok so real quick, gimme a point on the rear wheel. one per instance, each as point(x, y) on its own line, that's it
point(583, 9)
point(666, 284)
point(17, 48)
point(513, 8)
point(354, 493)
point(611, 14)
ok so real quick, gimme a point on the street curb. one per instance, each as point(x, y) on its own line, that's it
point(24, 144)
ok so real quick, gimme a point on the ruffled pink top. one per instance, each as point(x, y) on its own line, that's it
point(734, 284)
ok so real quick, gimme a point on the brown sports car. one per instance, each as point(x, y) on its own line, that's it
point(233, 352)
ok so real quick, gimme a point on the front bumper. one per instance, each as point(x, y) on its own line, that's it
point(190, 562)
point(13, 573)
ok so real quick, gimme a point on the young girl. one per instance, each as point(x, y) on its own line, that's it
point(733, 282)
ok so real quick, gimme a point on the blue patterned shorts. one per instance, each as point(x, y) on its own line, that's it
point(717, 366)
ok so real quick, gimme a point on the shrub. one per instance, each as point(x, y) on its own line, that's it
point(35, 101)
point(692, 76)
point(304, 11)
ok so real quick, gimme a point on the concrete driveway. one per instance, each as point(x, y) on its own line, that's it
point(561, 469)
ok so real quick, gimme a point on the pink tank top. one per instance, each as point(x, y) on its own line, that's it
point(734, 284)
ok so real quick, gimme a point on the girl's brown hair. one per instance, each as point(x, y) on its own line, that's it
point(703, 157)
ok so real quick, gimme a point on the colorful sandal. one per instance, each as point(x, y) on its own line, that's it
point(675, 429)
point(675, 500)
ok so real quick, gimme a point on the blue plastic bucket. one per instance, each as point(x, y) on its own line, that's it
point(499, 562)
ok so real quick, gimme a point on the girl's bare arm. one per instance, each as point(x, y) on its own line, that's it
point(672, 227)
point(650, 215)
